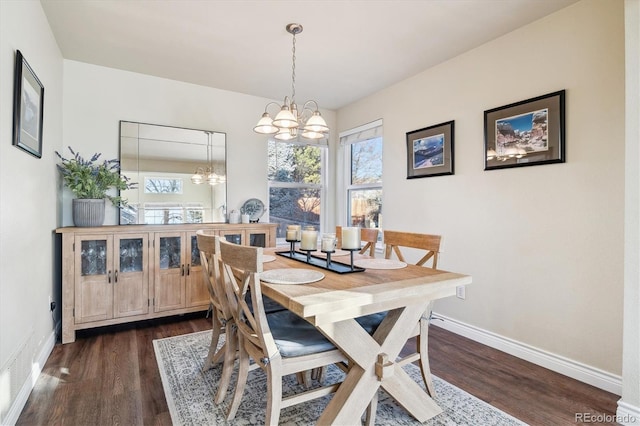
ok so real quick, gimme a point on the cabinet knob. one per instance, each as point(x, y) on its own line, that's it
point(116, 275)
point(109, 276)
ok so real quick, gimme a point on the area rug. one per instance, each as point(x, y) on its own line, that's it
point(190, 392)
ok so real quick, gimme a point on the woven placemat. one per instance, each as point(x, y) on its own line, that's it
point(380, 264)
point(291, 276)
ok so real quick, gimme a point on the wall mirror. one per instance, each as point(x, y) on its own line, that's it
point(181, 174)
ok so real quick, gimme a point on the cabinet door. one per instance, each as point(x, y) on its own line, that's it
point(93, 278)
point(169, 271)
point(234, 236)
point(258, 238)
point(197, 292)
point(131, 275)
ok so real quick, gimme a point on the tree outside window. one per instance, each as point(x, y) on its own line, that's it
point(295, 184)
point(365, 189)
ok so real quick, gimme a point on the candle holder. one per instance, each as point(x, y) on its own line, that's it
point(351, 251)
point(308, 254)
point(292, 247)
point(328, 253)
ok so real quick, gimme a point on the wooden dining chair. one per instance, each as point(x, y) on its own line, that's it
point(429, 247)
point(221, 316)
point(369, 236)
point(280, 343)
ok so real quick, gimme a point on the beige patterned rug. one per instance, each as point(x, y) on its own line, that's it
point(189, 393)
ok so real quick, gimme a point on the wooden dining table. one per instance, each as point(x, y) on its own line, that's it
point(333, 303)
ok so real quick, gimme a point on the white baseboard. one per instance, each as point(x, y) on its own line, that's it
point(627, 414)
point(21, 399)
point(568, 367)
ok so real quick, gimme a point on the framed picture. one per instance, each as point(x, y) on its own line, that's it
point(430, 151)
point(28, 105)
point(526, 133)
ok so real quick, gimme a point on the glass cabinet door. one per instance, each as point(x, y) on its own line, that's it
point(195, 252)
point(170, 270)
point(235, 237)
point(131, 255)
point(93, 257)
point(197, 291)
point(131, 280)
point(94, 278)
point(258, 239)
point(170, 252)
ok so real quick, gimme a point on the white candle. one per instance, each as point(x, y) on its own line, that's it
point(291, 235)
point(309, 240)
point(350, 238)
point(328, 242)
point(296, 234)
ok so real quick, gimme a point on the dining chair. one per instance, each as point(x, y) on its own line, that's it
point(429, 247)
point(221, 316)
point(369, 236)
point(280, 343)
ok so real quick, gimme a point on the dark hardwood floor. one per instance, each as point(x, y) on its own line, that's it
point(109, 376)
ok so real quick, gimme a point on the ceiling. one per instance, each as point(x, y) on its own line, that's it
point(349, 49)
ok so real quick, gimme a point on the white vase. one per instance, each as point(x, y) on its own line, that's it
point(88, 212)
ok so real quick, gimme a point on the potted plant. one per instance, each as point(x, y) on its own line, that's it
point(90, 180)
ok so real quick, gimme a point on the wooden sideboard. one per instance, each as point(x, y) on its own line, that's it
point(118, 274)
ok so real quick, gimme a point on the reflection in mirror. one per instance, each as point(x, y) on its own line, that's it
point(181, 174)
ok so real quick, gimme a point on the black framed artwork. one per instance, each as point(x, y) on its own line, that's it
point(430, 151)
point(28, 108)
point(525, 133)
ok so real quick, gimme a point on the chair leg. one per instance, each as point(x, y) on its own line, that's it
point(319, 374)
point(243, 372)
point(230, 350)
point(216, 331)
point(423, 349)
point(274, 393)
point(370, 417)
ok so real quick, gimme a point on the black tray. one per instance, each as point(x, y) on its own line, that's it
point(320, 262)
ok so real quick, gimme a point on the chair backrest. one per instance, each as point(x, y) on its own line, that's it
point(210, 262)
point(393, 240)
point(369, 236)
point(240, 268)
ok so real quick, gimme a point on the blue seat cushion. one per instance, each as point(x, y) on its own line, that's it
point(295, 336)
point(371, 322)
point(270, 305)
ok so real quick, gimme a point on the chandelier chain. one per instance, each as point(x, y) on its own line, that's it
point(293, 71)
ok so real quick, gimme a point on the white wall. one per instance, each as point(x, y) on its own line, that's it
point(28, 208)
point(96, 98)
point(629, 405)
point(544, 244)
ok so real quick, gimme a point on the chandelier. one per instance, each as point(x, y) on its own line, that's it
point(208, 174)
point(289, 120)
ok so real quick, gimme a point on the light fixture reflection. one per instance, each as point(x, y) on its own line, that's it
point(208, 174)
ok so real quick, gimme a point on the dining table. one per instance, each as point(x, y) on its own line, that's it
point(332, 305)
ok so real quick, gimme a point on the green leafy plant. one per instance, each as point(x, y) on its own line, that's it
point(92, 179)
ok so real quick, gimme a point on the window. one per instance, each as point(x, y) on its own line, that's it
point(363, 171)
point(162, 213)
point(296, 184)
point(154, 185)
